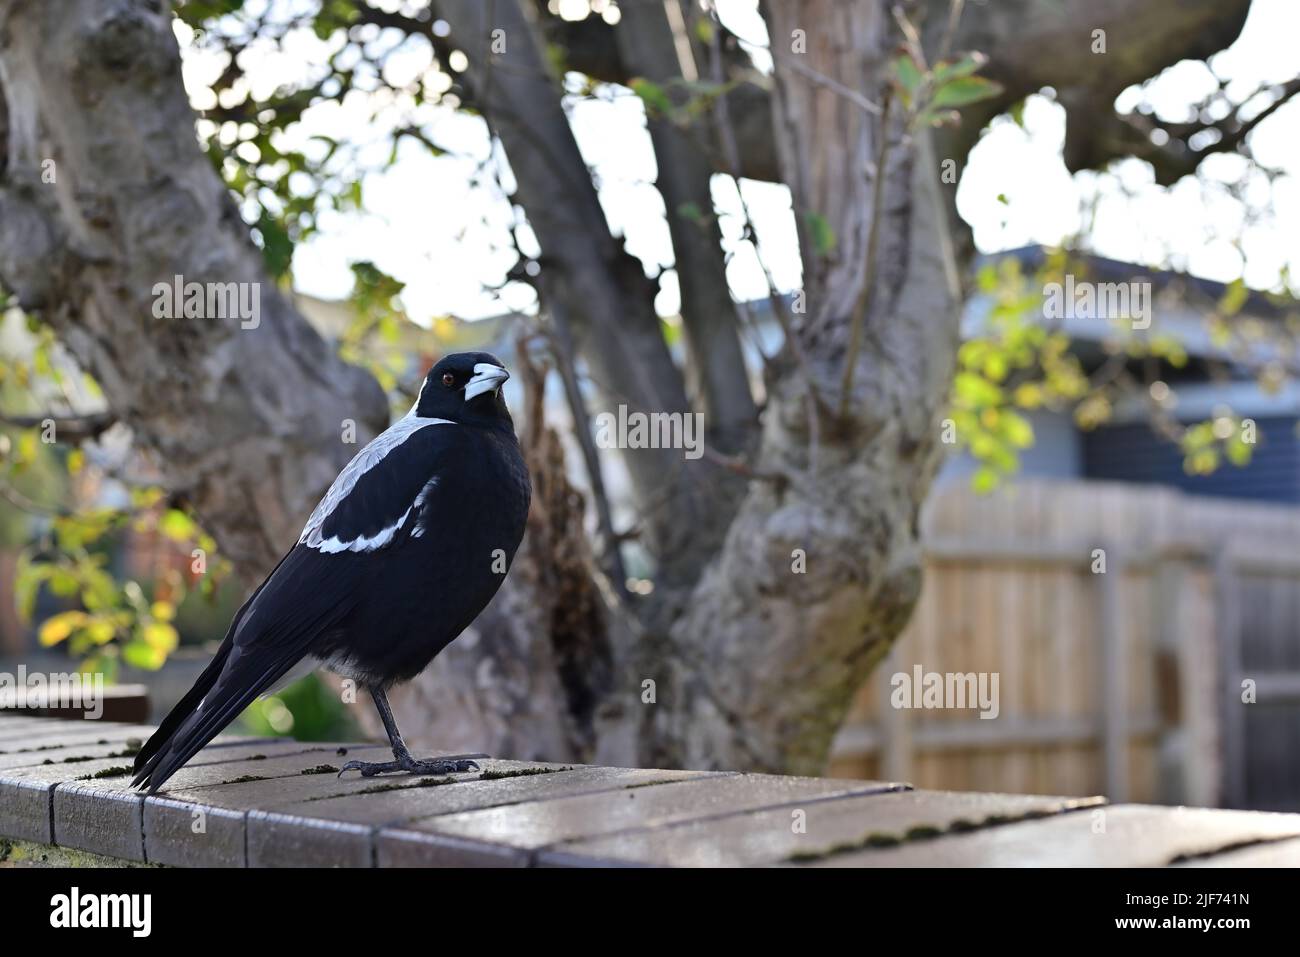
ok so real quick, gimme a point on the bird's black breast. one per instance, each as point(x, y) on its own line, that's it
point(468, 497)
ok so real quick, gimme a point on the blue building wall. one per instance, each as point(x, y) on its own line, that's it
point(1135, 453)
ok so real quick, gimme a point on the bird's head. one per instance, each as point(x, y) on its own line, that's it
point(465, 387)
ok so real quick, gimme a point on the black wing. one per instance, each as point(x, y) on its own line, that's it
point(370, 506)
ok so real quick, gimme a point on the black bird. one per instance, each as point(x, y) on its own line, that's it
point(406, 548)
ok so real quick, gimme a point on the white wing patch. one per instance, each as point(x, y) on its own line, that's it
point(363, 462)
point(419, 529)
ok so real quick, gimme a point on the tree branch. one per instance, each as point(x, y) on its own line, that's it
point(591, 47)
point(604, 290)
point(1032, 44)
point(1112, 136)
point(646, 42)
point(69, 430)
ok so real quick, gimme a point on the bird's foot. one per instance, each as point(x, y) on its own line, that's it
point(448, 764)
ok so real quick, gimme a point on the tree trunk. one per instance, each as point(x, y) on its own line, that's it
point(819, 574)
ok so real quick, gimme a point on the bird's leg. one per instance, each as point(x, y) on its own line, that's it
point(403, 761)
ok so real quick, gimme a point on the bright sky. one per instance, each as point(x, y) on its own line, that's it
point(427, 225)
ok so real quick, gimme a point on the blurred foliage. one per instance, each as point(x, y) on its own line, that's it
point(680, 102)
point(374, 338)
point(308, 710)
point(70, 538)
point(284, 183)
point(933, 96)
point(1018, 362)
point(115, 619)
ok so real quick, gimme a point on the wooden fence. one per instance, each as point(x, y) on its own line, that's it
point(1126, 681)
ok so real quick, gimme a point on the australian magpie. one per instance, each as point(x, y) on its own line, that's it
point(406, 548)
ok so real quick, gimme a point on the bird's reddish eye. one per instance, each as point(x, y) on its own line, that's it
point(448, 379)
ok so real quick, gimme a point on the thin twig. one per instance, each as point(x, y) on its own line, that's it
point(727, 134)
point(741, 467)
point(24, 504)
point(950, 30)
point(911, 36)
point(816, 76)
point(830, 83)
point(561, 342)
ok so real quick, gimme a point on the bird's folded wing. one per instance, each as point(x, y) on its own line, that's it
point(373, 501)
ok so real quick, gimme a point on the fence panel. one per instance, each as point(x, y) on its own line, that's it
point(1119, 620)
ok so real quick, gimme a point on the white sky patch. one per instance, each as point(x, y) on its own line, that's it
point(1192, 226)
point(427, 226)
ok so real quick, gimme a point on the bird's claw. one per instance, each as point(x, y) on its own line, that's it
point(451, 764)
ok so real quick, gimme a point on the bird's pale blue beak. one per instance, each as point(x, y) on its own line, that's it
point(486, 378)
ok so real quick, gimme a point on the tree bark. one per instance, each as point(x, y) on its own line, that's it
point(246, 424)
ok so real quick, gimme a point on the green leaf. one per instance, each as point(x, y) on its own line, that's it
point(28, 444)
point(1016, 429)
point(1202, 462)
point(104, 663)
point(141, 654)
point(277, 246)
point(908, 77)
point(100, 631)
point(63, 583)
point(57, 628)
point(964, 91)
point(985, 480)
point(691, 212)
point(27, 584)
point(945, 72)
point(160, 635)
point(1234, 297)
point(652, 95)
point(1238, 452)
point(334, 15)
point(1028, 395)
point(177, 526)
point(995, 367)
point(822, 235)
point(975, 390)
